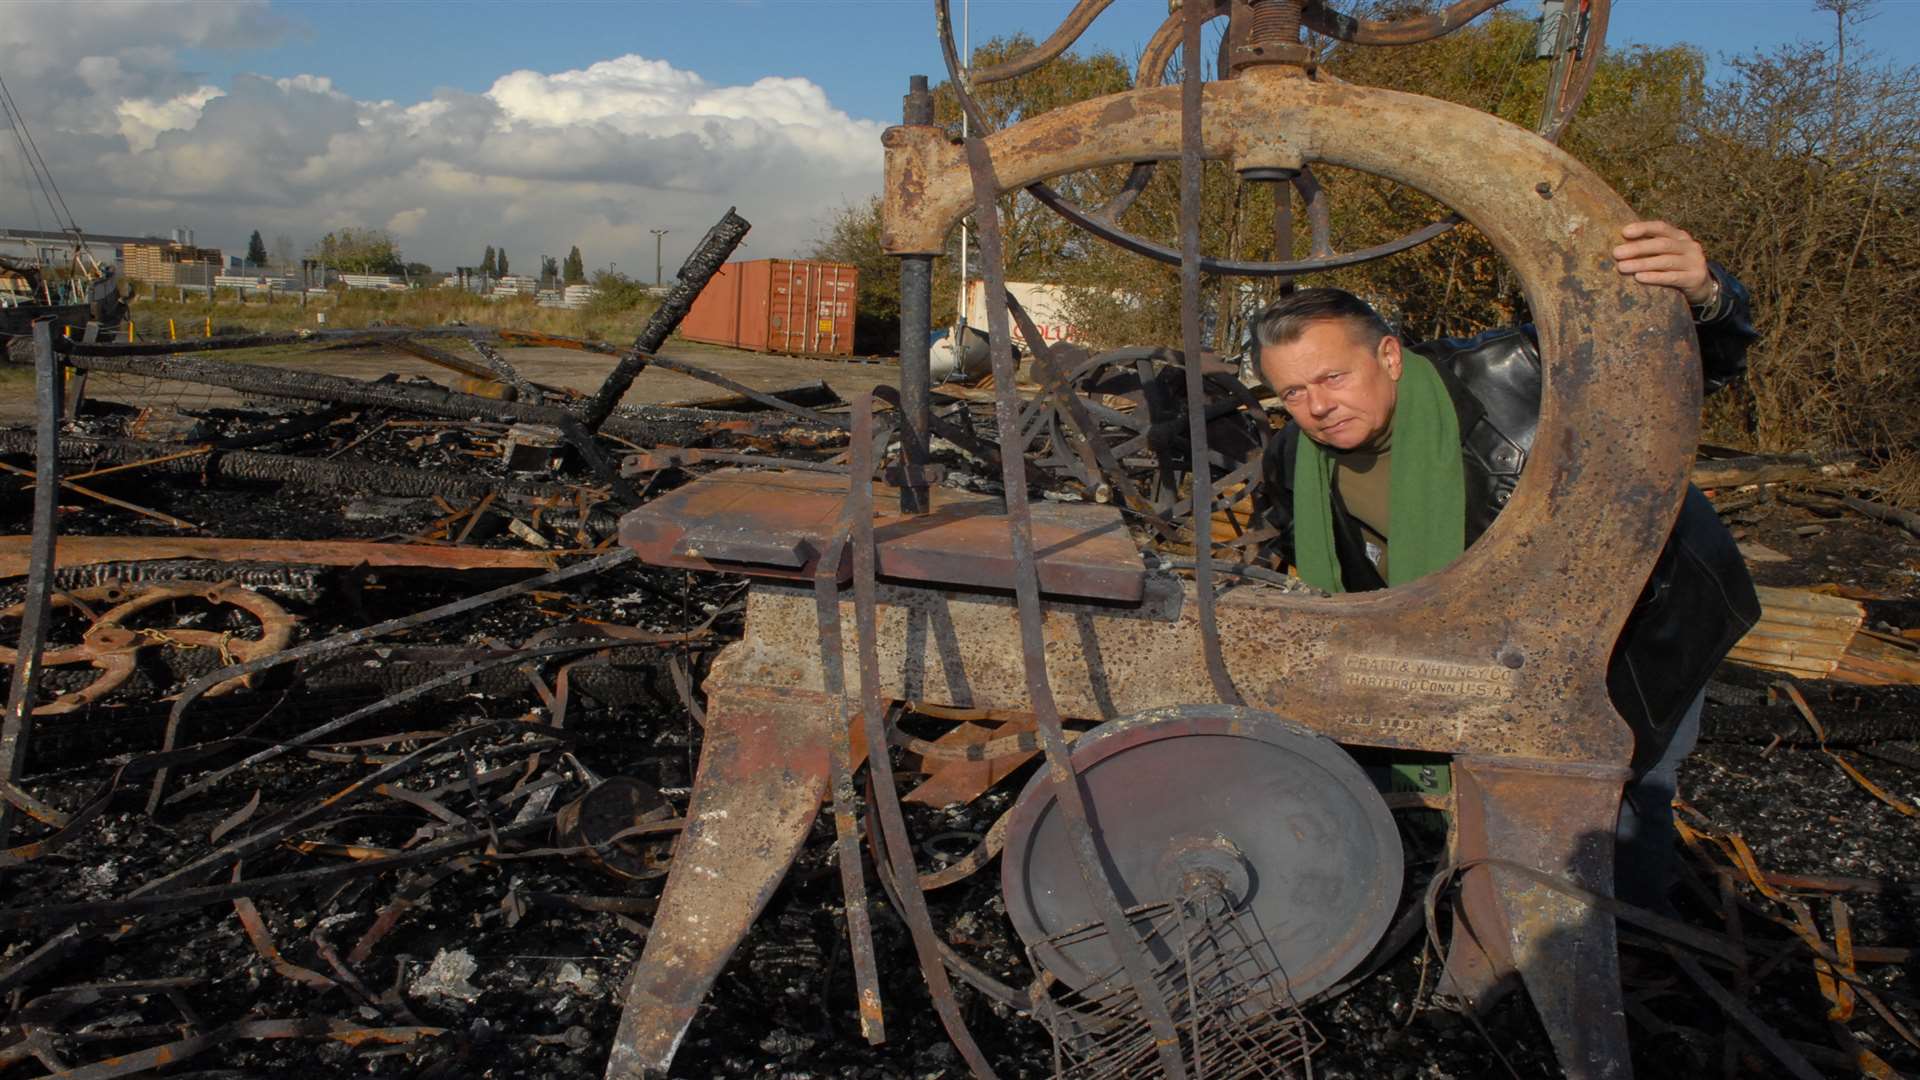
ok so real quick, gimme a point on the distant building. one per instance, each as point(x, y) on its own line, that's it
point(171, 262)
point(516, 285)
point(52, 249)
point(385, 282)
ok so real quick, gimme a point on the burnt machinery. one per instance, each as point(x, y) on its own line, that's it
point(1209, 855)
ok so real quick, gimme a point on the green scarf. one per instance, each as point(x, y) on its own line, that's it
point(1426, 492)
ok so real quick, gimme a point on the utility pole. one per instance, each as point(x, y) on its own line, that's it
point(657, 271)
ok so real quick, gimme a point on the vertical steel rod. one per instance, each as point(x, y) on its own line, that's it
point(16, 727)
point(916, 324)
point(916, 327)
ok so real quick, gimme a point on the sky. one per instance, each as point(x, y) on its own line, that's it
point(539, 125)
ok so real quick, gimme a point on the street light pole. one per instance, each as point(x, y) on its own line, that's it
point(658, 273)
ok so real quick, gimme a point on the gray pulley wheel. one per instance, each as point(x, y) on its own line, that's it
point(1277, 813)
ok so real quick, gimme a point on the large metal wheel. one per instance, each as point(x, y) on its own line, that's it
point(1279, 819)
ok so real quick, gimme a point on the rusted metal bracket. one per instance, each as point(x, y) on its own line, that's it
point(763, 771)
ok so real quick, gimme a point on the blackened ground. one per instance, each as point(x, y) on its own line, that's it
point(547, 977)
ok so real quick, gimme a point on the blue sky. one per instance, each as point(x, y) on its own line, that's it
point(537, 126)
point(859, 51)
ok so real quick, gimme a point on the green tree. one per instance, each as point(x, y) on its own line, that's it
point(359, 251)
point(488, 262)
point(549, 272)
point(614, 293)
point(500, 261)
point(256, 249)
point(1808, 188)
point(574, 269)
point(1036, 239)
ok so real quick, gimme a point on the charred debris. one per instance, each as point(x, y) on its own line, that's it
point(345, 736)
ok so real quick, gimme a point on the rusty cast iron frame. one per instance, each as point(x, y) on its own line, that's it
point(1499, 660)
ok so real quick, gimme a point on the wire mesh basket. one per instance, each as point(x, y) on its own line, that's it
point(1219, 979)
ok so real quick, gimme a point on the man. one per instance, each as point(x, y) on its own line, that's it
point(1397, 458)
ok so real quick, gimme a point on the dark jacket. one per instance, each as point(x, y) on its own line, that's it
point(1697, 601)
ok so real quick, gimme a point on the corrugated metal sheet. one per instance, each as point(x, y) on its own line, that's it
point(798, 306)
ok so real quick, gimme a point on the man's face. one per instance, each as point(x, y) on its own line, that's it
point(1340, 391)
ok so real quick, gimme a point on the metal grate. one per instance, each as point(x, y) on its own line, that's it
point(1220, 980)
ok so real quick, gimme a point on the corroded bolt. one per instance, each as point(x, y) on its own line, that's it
point(1272, 35)
point(1275, 22)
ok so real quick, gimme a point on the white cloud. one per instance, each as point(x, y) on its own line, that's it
point(407, 222)
point(595, 156)
point(141, 120)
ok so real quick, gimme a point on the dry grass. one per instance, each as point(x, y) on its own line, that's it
point(357, 309)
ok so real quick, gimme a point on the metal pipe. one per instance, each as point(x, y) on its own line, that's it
point(916, 327)
point(916, 324)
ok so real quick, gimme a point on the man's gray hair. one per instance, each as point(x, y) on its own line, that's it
point(1287, 318)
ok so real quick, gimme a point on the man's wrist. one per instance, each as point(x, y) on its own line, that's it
point(1707, 309)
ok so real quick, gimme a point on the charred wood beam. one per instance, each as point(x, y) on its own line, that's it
point(310, 473)
point(340, 338)
point(707, 258)
point(629, 675)
point(300, 580)
point(783, 400)
point(1773, 468)
point(314, 386)
point(505, 372)
point(78, 551)
point(516, 388)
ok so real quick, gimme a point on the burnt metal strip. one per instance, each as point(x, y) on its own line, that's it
point(17, 726)
point(913, 904)
point(1059, 41)
point(853, 878)
point(1191, 165)
point(1026, 581)
point(1012, 998)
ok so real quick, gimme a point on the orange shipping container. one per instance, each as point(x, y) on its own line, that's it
point(777, 305)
